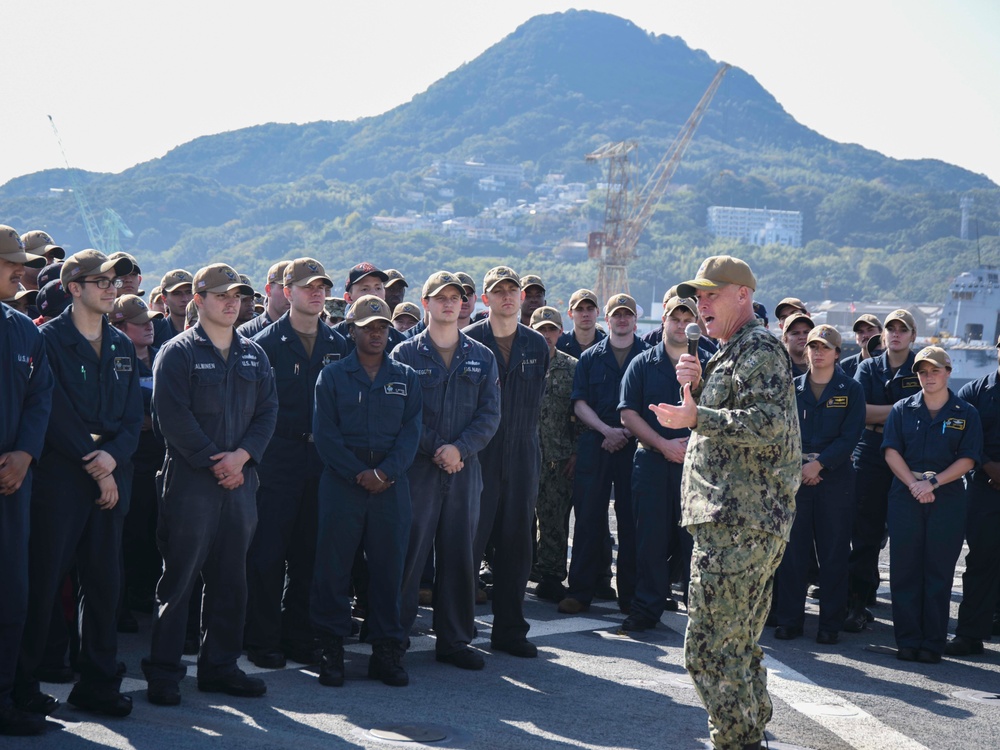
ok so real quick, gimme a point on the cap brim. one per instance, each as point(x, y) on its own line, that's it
point(688, 288)
point(391, 282)
point(311, 279)
point(543, 323)
point(457, 285)
point(26, 259)
point(370, 320)
point(143, 318)
point(620, 307)
point(223, 288)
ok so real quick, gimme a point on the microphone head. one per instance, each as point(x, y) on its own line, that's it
point(692, 331)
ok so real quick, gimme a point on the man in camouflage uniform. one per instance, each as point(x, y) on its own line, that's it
point(558, 433)
point(741, 471)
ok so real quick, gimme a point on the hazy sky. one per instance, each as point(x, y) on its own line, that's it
point(127, 80)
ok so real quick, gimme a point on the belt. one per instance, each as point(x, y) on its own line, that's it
point(646, 447)
point(370, 457)
point(875, 427)
point(807, 457)
point(98, 439)
point(306, 437)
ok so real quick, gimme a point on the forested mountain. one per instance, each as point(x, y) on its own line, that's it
point(545, 95)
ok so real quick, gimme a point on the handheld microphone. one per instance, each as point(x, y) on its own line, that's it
point(693, 333)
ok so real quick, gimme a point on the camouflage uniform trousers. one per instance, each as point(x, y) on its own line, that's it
point(555, 498)
point(732, 570)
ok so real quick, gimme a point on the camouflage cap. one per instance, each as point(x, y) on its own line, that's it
point(360, 271)
point(793, 302)
point(583, 295)
point(123, 254)
point(531, 279)
point(686, 302)
point(38, 242)
point(129, 308)
point(798, 318)
point(619, 301)
point(276, 273)
point(869, 319)
point(304, 271)
point(91, 263)
point(368, 309)
point(716, 272)
point(825, 334)
point(12, 249)
point(439, 281)
point(500, 273)
point(395, 277)
point(173, 280)
point(408, 308)
point(218, 278)
point(937, 356)
point(335, 307)
point(546, 316)
point(904, 317)
point(467, 281)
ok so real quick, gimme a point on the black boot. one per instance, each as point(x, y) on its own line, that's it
point(857, 616)
point(331, 666)
point(386, 663)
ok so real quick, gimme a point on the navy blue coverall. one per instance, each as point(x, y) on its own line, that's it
point(461, 407)
point(96, 404)
point(361, 424)
point(283, 551)
point(598, 382)
point(926, 538)
point(25, 403)
point(511, 463)
point(824, 513)
point(568, 344)
point(650, 378)
point(205, 405)
point(981, 579)
point(882, 388)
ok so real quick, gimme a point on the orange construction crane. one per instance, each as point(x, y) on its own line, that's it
point(626, 215)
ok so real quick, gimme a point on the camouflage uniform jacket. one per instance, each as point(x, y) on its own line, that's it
point(557, 427)
point(743, 463)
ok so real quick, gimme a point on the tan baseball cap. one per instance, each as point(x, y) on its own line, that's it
point(532, 279)
point(904, 317)
point(90, 263)
point(276, 273)
point(793, 302)
point(716, 272)
point(674, 302)
point(408, 308)
point(155, 295)
point(395, 277)
point(933, 354)
point(798, 318)
point(12, 249)
point(583, 295)
point(246, 280)
point(467, 281)
point(439, 281)
point(368, 309)
point(670, 294)
point(172, 280)
point(619, 301)
point(546, 316)
point(304, 271)
point(31, 294)
point(218, 278)
point(500, 273)
point(131, 309)
point(826, 335)
point(869, 319)
point(38, 242)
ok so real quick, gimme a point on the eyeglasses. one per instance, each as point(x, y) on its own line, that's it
point(103, 283)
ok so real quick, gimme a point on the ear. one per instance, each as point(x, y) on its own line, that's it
point(287, 292)
point(424, 301)
point(486, 299)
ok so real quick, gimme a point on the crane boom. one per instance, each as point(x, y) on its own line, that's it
point(90, 224)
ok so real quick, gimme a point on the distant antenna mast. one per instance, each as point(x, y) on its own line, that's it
point(966, 206)
point(93, 229)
